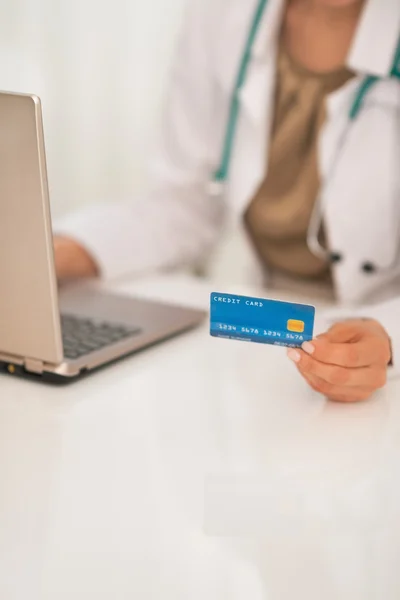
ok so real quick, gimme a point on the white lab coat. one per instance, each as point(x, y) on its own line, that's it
point(178, 222)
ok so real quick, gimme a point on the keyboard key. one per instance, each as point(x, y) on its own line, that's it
point(83, 336)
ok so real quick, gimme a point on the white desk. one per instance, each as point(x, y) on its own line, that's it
point(101, 483)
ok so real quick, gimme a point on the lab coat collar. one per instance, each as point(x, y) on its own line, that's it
point(376, 47)
point(269, 29)
point(256, 102)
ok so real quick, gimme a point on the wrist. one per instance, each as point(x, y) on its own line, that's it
point(389, 342)
point(386, 335)
point(390, 363)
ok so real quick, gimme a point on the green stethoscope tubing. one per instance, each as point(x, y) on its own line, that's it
point(222, 173)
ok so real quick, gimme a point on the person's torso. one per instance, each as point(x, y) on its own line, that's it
point(358, 162)
point(279, 215)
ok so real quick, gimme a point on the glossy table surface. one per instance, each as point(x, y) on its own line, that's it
point(198, 469)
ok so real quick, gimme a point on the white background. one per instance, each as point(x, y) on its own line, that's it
point(100, 68)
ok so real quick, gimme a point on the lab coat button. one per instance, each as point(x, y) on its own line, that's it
point(368, 267)
point(336, 257)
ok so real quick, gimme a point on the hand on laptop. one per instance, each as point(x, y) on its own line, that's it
point(72, 260)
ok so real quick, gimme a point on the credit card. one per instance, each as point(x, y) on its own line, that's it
point(260, 320)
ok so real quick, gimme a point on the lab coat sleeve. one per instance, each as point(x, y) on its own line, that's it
point(388, 315)
point(176, 223)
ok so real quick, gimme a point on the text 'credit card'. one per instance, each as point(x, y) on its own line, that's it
point(261, 320)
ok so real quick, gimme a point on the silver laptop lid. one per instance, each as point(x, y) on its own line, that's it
point(29, 315)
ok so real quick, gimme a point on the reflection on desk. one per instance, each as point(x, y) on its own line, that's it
point(102, 483)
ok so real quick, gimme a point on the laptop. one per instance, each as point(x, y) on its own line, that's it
point(46, 332)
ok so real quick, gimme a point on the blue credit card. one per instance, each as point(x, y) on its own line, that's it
point(260, 320)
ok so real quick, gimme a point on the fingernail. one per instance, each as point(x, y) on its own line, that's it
point(308, 347)
point(294, 355)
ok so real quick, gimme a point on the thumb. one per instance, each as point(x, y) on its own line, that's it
point(344, 332)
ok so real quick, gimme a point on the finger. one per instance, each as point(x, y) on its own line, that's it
point(338, 393)
point(368, 351)
point(364, 377)
point(312, 381)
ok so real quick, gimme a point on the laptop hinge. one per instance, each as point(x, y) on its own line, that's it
point(34, 366)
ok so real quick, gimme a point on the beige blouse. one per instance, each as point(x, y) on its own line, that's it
point(278, 217)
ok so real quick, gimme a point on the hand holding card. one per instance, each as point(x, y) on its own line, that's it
point(348, 363)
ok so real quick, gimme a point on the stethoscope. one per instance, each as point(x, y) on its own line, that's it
point(221, 175)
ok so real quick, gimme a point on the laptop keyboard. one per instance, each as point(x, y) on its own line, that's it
point(82, 336)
